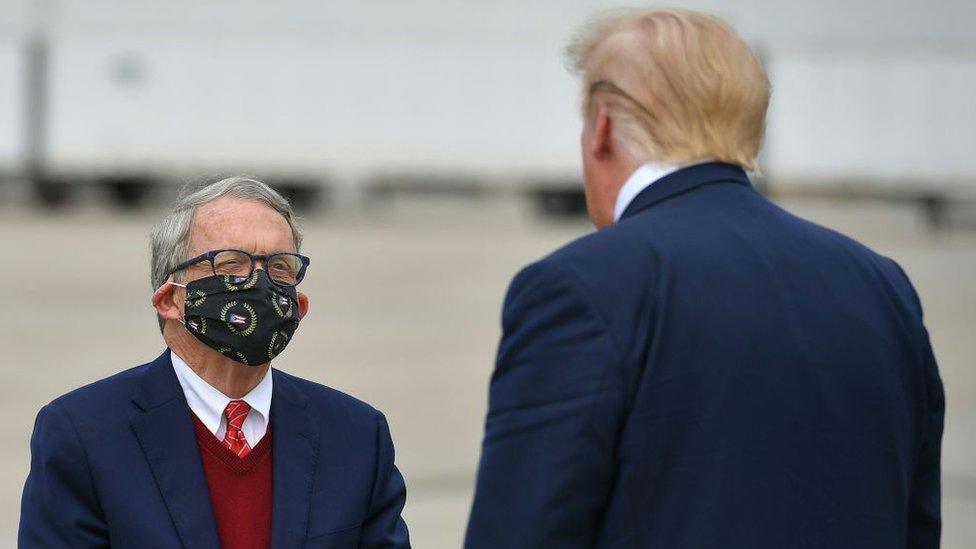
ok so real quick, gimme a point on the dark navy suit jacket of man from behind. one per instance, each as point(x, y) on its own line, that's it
point(711, 371)
point(117, 463)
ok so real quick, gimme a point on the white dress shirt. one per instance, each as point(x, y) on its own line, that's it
point(642, 178)
point(208, 403)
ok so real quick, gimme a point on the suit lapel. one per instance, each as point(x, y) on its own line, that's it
point(165, 433)
point(294, 458)
point(684, 180)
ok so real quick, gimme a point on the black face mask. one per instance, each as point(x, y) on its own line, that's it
point(249, 320)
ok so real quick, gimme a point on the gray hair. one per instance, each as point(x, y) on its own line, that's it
point(170, 239)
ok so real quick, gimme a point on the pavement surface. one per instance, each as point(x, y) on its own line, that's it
point(405, 302)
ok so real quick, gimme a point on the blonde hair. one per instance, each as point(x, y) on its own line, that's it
point(680, 86)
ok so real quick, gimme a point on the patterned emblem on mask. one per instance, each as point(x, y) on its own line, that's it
point(232, 354)
point(278, 342)
point(197, 325)
point(196, 300)
point(237, 283)
point(282, 305)
point(234, 317)
point(241, 318)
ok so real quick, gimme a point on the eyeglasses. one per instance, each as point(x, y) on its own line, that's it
point(285, 269)
point(609, 87)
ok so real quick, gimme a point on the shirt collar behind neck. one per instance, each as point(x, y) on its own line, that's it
point(208, 403)
point(643, 177)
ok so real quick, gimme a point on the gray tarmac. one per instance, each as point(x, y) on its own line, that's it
point(405, 307)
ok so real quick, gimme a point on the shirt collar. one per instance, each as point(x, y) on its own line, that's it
point(643, 177)
point(208, 403)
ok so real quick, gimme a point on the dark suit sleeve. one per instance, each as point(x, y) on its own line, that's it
point(59, 506)
point(555, 406)
point(384, 526)
point(925, 497)
point(924, 504)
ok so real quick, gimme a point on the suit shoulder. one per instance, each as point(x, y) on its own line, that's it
point(334, 400)
point(622, 249)
point(104, 392)
point(887, 266)
point(597, 244)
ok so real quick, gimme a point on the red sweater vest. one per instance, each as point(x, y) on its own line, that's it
point(240, 490)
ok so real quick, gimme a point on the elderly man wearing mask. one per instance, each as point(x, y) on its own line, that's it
point(207, 446)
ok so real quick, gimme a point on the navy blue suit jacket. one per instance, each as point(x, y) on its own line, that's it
point(711, 371)
point(116, 463)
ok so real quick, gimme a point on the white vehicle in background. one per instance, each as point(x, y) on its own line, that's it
point(360, 100)
point(11, 83)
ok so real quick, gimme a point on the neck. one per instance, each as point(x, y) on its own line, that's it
point(227, 376)
point(606, 186)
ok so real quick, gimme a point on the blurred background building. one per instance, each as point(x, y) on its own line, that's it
point(332, 97)
point(433, 146)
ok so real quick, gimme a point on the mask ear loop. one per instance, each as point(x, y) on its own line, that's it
point(183, 319)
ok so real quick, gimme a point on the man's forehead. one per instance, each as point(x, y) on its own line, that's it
point(238, 222)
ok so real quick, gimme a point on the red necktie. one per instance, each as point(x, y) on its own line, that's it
point(235, 412)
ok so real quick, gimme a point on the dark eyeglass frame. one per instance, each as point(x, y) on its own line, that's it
point(609, 87)
point(266, 259)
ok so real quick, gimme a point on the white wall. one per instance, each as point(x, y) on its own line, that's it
point(310, 105)
point(847, 117)
point(11, 100)
point(862, 89)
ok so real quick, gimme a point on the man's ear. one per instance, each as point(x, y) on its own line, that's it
point(302, 305)
point(601, 138)
point(167, 301)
